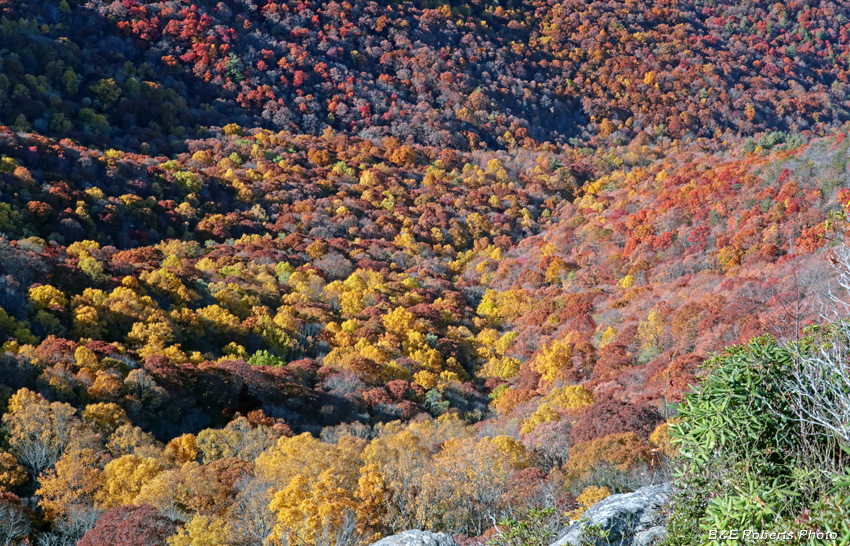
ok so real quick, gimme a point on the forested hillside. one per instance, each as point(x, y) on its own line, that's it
point(479, 74)
point(312, 274)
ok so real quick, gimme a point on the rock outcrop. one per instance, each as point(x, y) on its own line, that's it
point(417, 538)
point(629, 519)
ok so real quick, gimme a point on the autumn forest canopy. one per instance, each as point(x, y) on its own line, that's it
point(313, 273)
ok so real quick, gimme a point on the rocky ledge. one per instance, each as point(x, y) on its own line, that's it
point(417, 538)
point(628, 519)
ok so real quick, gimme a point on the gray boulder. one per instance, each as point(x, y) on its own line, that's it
point(630, 519)
point(417, 538)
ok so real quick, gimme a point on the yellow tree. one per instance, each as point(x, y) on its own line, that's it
point(182, 449)
point(12, 474)
point(571, 398)
point(163, 492)
point(87, 322)
point(660, 441)
point(309, 514)
point(128, 439)
point(38, 431)
point(105, 417)
point(168, 284)
point(373, 499)
point(46, 296)
point(559, 403)
point(467, 487)
point(238, 439)
point(491, 348)
point(399, 321)
point(649, 333)
point(305, 473)
point(555, 357)
point(202, 531)
point(75, 480)
point(124, 478)
point(623, 451)
point(396, 461)
point(556, 271)
point(588, 497)
point(86, 358)
point(544, 413)
point(152, 335)
point(307, 456)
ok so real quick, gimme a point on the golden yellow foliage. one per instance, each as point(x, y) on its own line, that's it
point(609, 335)
point(153, 336)
point(317, 249)
point(12, 474)
point(105, 417)
point(373, 498)
point(555, 356)
point(164, 282)
point(76, 479)
point(435, 432)
point(129, 439)
point(544, 414)
point(426, 379)
point(124, 478)
point(399, 321)
point(163, 492)
point(622, 451)
point(503, 368)
point(202, 531)
point(518, 456)
point(306, 512)
point(626, 282)
point(85, 358)
point(660, 439)
point(38, 432)
point(649, 331)
point(238, 439)
point(182, 449)
point(491, 347)
point(498, 307)
point(572, 398)
point(47, 296)
point(220, 318)
point(556, 271)
point(307, 456)
point(590, 496)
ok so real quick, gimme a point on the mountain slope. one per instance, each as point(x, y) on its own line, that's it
point(477, 74)
point(406, 265)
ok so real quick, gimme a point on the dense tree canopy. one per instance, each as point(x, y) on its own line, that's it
point(297, 273)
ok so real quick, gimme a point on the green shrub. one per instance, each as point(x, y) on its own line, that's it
point(742, 461)
point(537, 529)
point(265, 358)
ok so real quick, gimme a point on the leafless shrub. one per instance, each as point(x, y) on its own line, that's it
point(346, 533)
point(253, 521)
point(14, 524)
point(70, 528)
point(819, 387)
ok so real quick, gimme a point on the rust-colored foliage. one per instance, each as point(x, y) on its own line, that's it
point(130, 526)
point(468, 247)
point(612, 416)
